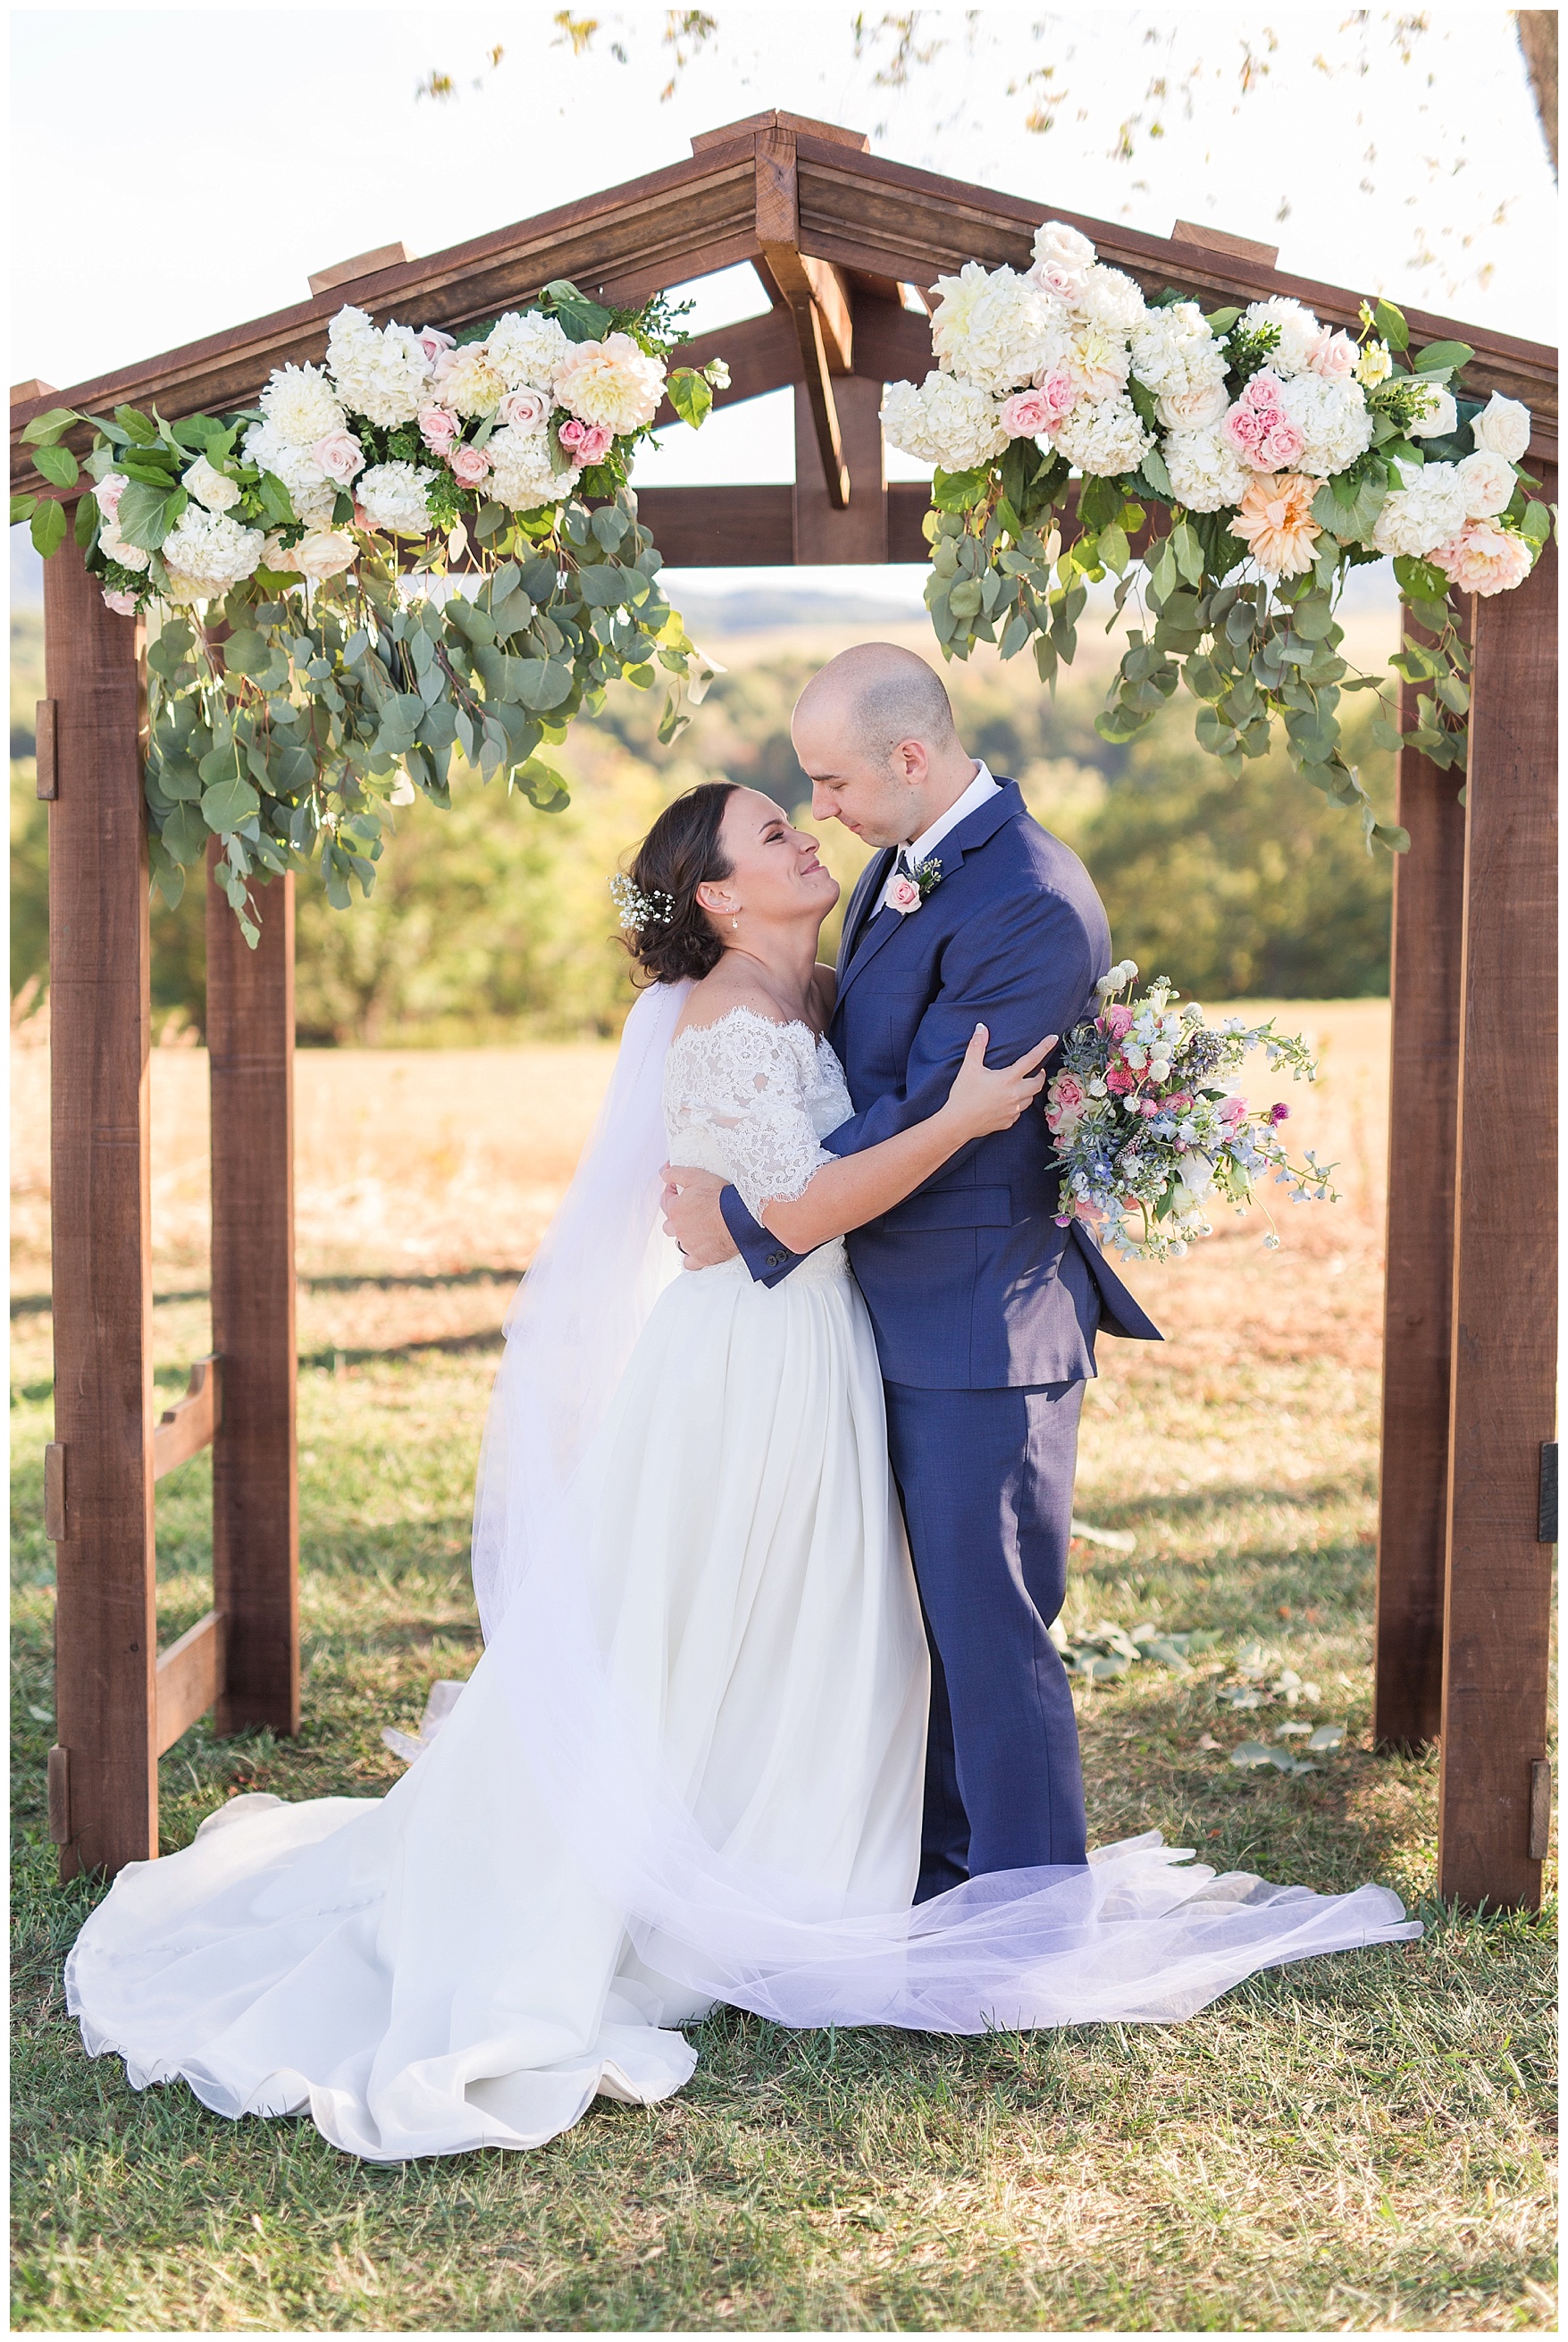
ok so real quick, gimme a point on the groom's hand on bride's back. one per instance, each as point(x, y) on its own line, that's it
point(692, 1215)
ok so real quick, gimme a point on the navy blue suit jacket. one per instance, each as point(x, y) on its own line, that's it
point(970, 1282)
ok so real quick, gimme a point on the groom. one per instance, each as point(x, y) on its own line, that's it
point(985, 1311)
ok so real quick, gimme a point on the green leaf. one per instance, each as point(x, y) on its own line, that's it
point(44, 429)
point(1390, 323)
point(147, 513)
point(1536, 523)
point(246, 654)
point(604, 585)
point(1445, 355)
point(58, 466)
point(23, 509)
point(1115, 551)
point(1220, 321)
point(581, 320)
point(1189, 553)
point(48, 526)
point(185, 834)
point(136, 426)
point(690, 396)
point(167, 876)
point(228, 803)
point(543, 683)
point(87, 527)
point(1153, 470)
point(956, 492)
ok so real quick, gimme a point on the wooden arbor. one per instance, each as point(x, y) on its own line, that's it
point(843, 243)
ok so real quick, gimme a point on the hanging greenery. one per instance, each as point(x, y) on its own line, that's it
point(429, 547)
point(1267, 453)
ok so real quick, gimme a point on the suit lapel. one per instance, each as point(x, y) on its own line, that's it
point(869, 885)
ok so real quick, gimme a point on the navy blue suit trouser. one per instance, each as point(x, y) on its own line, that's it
point(986, 1481)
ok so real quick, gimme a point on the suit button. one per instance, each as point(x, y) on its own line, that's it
point(775, 1260)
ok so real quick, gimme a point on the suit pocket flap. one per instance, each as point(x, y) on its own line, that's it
point(951, 1207)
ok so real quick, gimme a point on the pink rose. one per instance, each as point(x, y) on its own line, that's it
point(528, 409)
point(1244, 427)
point(1119, 1020)
point(123, 605)
point(1484, 558)
point(1066, 1103)
point(438, 428)
point(1265, 392)
point(433, 342)
point(587, 441)
point(1059, 391)
point(1334, 355)
point(108, 493)
point(340, 456)
point(903, 896)
point(469, 466)
point(1280, 446)
point(1119, 1081)
point(1232, 1109)
point(1026, 415)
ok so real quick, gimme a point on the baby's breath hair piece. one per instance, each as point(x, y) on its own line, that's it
point(639, 910)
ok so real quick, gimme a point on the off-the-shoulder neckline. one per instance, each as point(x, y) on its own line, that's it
point(775, 1024)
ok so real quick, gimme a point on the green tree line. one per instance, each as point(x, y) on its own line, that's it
point(494, 921)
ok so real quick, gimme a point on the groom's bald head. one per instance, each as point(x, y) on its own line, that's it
point(874, 734)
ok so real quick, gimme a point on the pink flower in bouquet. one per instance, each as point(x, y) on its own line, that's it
point(109, 491)
point(1233, 1110)
point(1274, 517)
point(1334, 357)
point(123, 605)
point(1118, 1020)
point(1119, 1081)
point(1484, 558)
point(1258, 426)
point(470, 466)
point(1027, 415)
point(588, 441)
point(1067, 1101)
point(438, 428)
point(433, 342)
point(528, 409)
point(1280, 446)
point(339, 455)
point(1059, 391)
point(1152, 1107)
point(1243, 426)
point(1278, 1113)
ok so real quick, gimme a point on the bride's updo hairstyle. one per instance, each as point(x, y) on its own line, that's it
point(666, 929)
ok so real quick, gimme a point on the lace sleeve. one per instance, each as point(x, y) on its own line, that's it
point(736, 1101)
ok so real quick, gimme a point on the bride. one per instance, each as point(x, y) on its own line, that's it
point(688, 1765)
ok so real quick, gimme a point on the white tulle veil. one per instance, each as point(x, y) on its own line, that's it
point(1139, 1932)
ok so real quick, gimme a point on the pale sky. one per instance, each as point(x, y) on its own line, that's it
point(177, 171)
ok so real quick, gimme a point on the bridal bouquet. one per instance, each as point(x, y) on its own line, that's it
point(1149, 1131)
point(426, 544)
point(1271, 453)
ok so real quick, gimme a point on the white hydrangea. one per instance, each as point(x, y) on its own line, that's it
point(1424, 514)
point(946, 421)
point(995, 327)
point(1172, 348)
point(465, 378)
point(312, 494)
point(380, 375)
point(1104, 437)
point(1300, 333)
point(210, 487)
point(1488, 484)
point(527, 349)
point(393, 496)
point(612, 382)
point(1439, 416)
point(1097, 359)
point(521, 478)
point(301, 405)
point(210, 551)
point(1333, 419)
point(1109, 298)
point(1206, 471)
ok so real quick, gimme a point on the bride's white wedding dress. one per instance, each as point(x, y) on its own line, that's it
point(688, 1765)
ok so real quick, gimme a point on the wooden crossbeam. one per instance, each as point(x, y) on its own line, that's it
point(189, 1678)
point(187, 1427)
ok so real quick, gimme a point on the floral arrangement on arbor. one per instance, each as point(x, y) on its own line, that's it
point(427, 545)
point(1278, 453)
point(1148, 1129)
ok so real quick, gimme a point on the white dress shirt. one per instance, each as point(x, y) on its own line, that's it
point(911, 856)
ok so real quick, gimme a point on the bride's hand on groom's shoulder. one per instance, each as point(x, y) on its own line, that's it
point(692, 1215)
point(985, 1098)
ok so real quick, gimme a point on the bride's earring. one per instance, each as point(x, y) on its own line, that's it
point(736, 920)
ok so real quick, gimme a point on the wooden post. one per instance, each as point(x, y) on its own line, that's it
point(104, 1771)
point(255, 1497)
point(1498, 1596)
point(823, 530)
point(1424, 1100)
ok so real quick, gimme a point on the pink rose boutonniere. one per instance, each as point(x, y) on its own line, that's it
point(909, 885)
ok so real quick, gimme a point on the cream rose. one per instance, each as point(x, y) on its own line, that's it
point(1489, 480)
point(1502, 428)
point(323, 553)
point(210, 487)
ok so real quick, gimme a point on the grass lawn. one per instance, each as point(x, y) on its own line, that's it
point(1365, 2143)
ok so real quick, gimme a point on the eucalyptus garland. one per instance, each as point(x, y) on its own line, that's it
point(308, 668)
